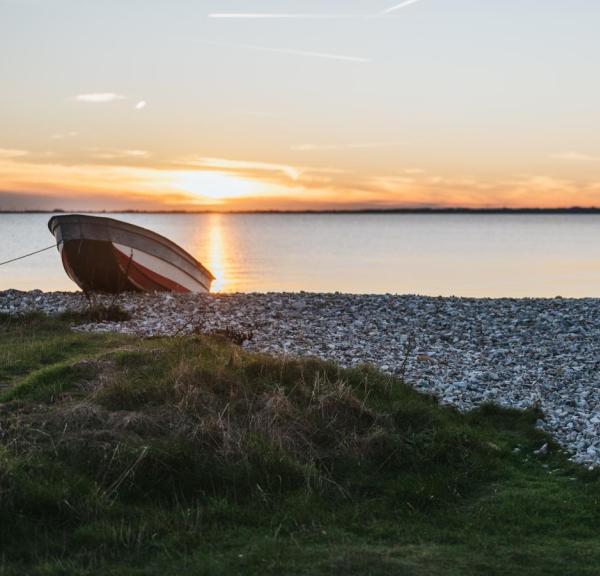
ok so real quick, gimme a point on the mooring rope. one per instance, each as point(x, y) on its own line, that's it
point(28, 255)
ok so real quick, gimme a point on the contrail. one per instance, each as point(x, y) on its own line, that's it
point(398, 6)
point(324, 55)
point(281, 16)
point(308, 15)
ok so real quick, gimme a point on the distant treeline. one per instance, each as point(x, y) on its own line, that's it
point(572, 210)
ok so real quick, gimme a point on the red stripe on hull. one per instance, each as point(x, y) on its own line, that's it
point(144, 278)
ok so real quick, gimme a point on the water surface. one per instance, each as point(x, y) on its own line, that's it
point(429, 254)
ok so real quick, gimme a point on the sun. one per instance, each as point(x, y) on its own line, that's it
point(214, 187)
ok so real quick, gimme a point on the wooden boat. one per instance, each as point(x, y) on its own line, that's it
point(106, 255)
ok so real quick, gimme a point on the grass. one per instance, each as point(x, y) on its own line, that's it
point(190, 456)
point(35, 341)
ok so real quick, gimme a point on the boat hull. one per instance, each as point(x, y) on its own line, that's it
point(106, 255)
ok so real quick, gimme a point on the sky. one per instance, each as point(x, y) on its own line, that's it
point(298, 104)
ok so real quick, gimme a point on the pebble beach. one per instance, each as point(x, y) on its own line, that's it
point(514, 352)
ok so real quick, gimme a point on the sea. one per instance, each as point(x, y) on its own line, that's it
point(468, 255)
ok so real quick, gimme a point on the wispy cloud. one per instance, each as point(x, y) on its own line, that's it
point(282, 176)
point(573, 156)
point(303, 16)
point(315, 147)
point(398, 7)
point(284, 16)
point(141, 105)
point(116, 154)
point(132, 183)
point(307, 15)
point(136, 153)
point(292, 52)
point(99, 97)
point(242, 165)
point(11, 153)
point(63, 135)
point(351, 146)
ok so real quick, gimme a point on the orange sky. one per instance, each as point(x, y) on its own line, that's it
point(224, 184)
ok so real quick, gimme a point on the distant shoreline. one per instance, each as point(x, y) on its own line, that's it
point(477, 211)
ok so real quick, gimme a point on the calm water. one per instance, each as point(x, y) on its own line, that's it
point(464, 255)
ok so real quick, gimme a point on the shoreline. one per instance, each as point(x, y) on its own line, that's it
point(6, 294)
point(517, 353)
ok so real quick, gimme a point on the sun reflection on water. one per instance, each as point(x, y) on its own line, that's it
point(217, 256)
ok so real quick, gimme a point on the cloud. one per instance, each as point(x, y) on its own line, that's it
point(63, 135)
point(273, 178)
point(99, 97)
point(306, 15)
point(398, 7)
point(11, 153)
point(140, 105)
point(352, 146)
point(124, 178)
point(303, 16)
point(575, 157)
point(115, 154)
point(62, 197)
point(290, 172)
point(284, 16)
point(412, 187)
point(315, 147)
point(136, 153)
point(54, 183)
point(369, 145)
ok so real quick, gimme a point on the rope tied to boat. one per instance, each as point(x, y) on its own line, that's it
point(30, 254)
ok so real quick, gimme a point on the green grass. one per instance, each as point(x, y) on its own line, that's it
point(32, 342)
point(189, 456)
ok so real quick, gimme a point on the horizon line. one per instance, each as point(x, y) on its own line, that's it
point(421, 210)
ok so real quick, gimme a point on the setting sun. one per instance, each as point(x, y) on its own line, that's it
point(214, 187)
